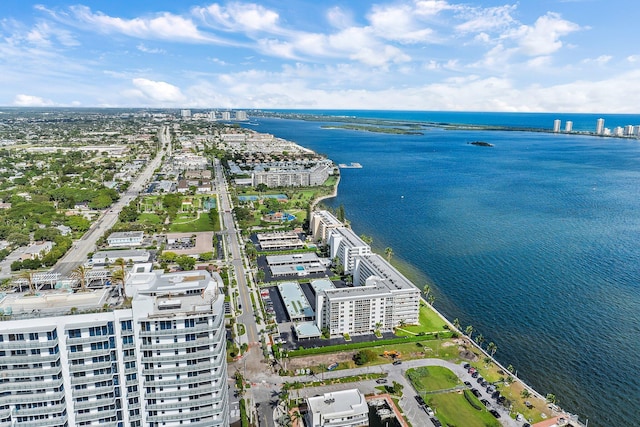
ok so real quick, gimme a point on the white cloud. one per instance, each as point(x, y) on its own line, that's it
point(633, 58)
point(156, 91)
point(398, 23)
point(240, 17)
point(23, 100)
point(484, 20)
point(142, 48)
point(543, 38)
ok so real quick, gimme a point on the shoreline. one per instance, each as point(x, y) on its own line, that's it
point(555, 409)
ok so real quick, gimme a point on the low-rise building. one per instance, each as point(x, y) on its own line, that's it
point(346, 408)
point(125, 238)
point(279, 241)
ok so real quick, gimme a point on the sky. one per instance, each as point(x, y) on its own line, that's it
point(432, 55)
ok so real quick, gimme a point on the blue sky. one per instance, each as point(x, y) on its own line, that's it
point(532, 55)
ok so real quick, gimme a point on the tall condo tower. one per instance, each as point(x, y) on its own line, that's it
point(70, 359)
point(556, 125)
point(599, 126)
point(568, 127)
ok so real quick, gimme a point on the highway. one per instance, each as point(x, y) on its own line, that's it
point(77, 255)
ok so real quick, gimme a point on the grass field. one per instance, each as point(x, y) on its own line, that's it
point(429, 322)
point(452, 409)
point(149, 218)
point(432, 378)
point(201, 224)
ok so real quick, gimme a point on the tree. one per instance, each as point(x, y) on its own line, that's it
point(456, 323)
point(367, 239)
point(468, 331)
point(492, 348)
point(340, 213)
point(525, 393)
point(185, 262)
point(388, 253)
point(28, 276)
point(426, 290)
point(121, 276)
point(551, 398)
point(480, 339)
point(431, 299)
point(364, 356)
point(81, 272)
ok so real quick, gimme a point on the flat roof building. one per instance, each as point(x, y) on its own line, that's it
point(279, 241)
point(295, 302)
point(346, 408)
point(320, 224)
point(345, 245)
point(125, 238)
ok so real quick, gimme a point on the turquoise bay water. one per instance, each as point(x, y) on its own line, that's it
point(535, 241)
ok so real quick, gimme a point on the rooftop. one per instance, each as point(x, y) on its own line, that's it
point(339, 403)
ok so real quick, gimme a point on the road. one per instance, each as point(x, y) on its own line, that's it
point(77, 255)
point(265, 388)
point(236, 259)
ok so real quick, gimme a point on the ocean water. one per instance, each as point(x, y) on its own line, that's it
point(535, 241)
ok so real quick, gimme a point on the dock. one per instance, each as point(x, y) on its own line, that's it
point(352, 165)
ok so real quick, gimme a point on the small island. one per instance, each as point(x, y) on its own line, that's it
point(480, 143)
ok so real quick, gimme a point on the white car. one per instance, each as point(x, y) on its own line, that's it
point(429, 411)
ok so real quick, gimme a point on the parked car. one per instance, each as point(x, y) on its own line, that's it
point(476, 392)
point(381, 380)
point(485, 402)
point(397, 362)
point(480, 379)
point(466, 366)
point(494, 413)
point(429, 411)
point(474, 375)
point(467, 383)
point(490, 389)
point(420, 400)
point(436, 422)
point(495, 394)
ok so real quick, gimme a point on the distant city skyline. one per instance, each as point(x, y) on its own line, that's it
point(564, 56)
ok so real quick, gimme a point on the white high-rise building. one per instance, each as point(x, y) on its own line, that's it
point(241, 115)
point(556, 125)
point(185, 114)
point(226, 115)
point(69, 359)
point(600, 127)
point(568, 127)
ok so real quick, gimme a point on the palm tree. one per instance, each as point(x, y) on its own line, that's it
point(480, 339)
point(378, 325)
point(28, 276)
point(468, 331)
point(367, 239)
point(492, 348)
point(296, 416)
point(456, 323)
point(426, 290)
point(120, 275)
point(389, 253)
point(431, 299)
point(81, 272)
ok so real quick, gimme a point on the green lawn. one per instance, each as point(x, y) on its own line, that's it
point(201, 224)
point(429, 322)
point(452, 409)
point(149, 218)
point(432, 378)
